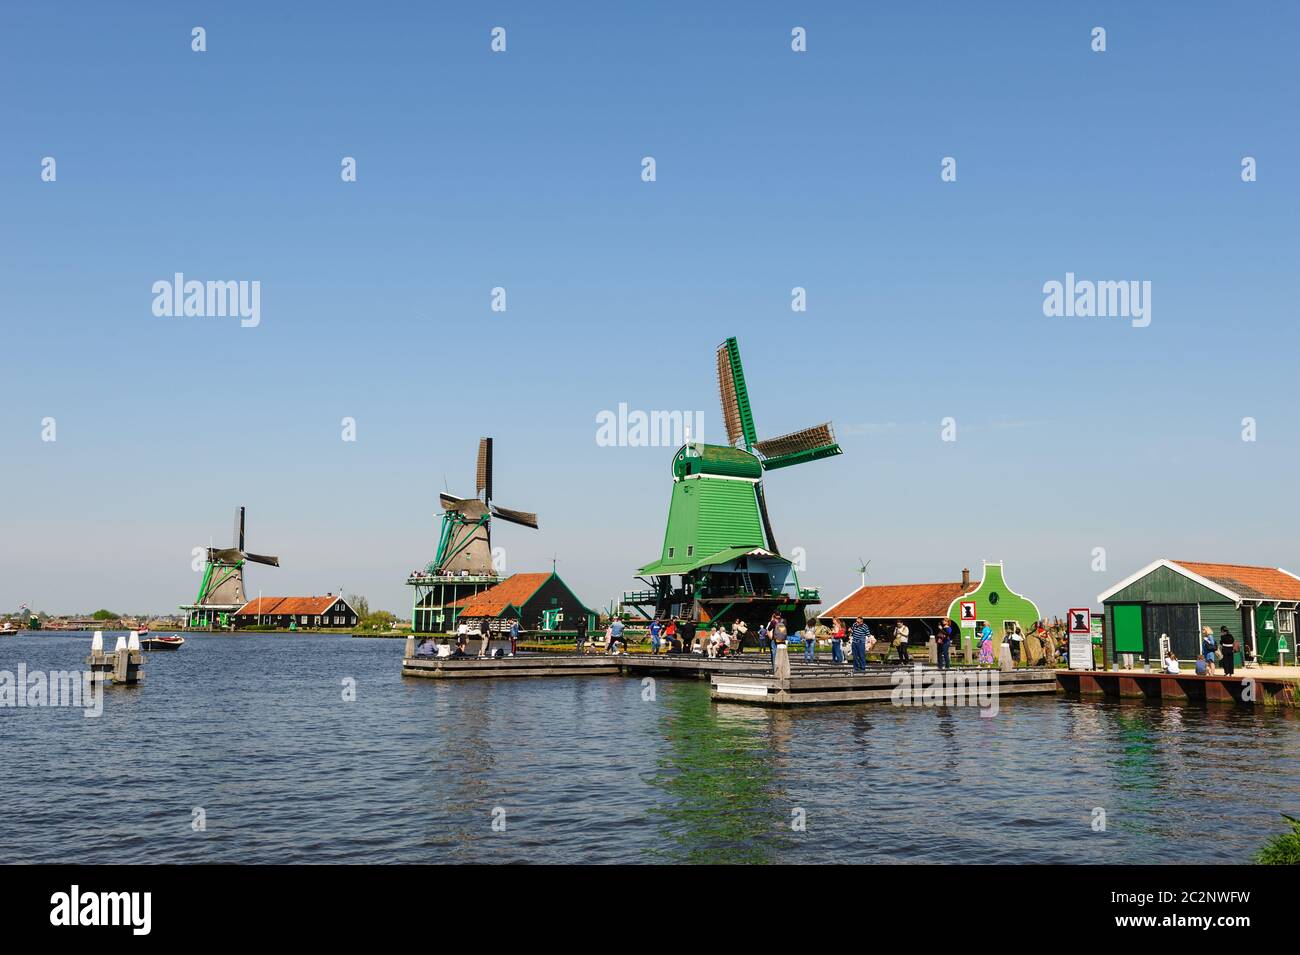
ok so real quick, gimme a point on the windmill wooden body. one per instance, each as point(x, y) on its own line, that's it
point(463, 564)
point(221, 591)
point(720, 559)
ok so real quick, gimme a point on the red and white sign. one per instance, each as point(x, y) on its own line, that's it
point(1080, 621)
point(968, 613)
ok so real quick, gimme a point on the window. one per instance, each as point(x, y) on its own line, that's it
point(304, 618)
point(670, 551)
point(1285, 621)
point(690, 550)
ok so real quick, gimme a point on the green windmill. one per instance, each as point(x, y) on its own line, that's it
point(221, 591)
point(720, 559)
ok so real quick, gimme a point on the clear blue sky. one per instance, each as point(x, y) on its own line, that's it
point(522, 170)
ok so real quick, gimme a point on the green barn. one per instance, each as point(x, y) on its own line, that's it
point(1179, 597)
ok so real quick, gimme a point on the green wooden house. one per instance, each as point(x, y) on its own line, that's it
point(995, 604)
point(1178, 598)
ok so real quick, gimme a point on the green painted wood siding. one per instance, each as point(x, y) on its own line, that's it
point(1164, 586)
point(708, 515)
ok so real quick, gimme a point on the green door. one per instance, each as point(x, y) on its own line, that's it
point(1128, 629)
point(1265, 634)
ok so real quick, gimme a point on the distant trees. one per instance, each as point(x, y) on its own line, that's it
point(104, 615)
point(368, 619)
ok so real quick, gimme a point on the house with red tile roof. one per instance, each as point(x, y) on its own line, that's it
point(330, 612)
point(923, 606)
point(540, 602)
point(1175, 599)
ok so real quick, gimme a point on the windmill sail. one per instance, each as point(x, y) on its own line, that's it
point(809, 444)
point(483, 479)
point(736, 414)
point(515, 517)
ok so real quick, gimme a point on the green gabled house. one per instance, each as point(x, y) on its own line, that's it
point(1178, 598)
point(995, 604)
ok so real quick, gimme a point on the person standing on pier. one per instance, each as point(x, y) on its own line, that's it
point(485, 632)
point(809, 644)
point(837, 643)
point(514, 636)
point(1208, 648)
point(901, 634)
point(858, 638)
point(1228, 644)
point(943, 641)
point(580, 628)
point(654, 636)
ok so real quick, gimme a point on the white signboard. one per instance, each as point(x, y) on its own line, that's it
point(968, 613)
point(1079, 627)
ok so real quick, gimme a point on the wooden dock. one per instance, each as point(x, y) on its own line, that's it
point(533, 664)
point(1244, 687)
point(899, 685)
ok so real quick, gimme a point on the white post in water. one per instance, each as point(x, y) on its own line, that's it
point(410, 647)
point(134, 642)
point(97, 661)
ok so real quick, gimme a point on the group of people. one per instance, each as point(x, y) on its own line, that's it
point(428, 648)
point(683, 636)
point(1220, 651)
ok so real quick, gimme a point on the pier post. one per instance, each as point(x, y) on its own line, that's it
point(932, 651)
point(101, 665)
point(1005, 662)
point(781, 666)
point(410, 646)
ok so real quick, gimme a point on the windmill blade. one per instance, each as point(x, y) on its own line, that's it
point(797, 447)
point(514, 517)
point(483, 478)
point(238, 535)
point(263, 559)
point(736, 413)
point(225, 555)
point(469, 506)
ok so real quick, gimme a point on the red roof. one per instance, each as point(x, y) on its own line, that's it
point(287, 605)
point(1255, 583)
point(899, 601)
point(513, 591)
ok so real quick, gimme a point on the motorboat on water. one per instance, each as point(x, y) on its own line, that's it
point(171, 642)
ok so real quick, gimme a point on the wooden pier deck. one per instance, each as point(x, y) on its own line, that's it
point(1246, 687)
point(878, 685)
point(532, 664)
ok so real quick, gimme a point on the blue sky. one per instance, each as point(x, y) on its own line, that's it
point(522, 170)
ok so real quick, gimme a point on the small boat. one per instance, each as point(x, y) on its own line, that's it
point(8, 631)
point(173, 642)
point(143, 632)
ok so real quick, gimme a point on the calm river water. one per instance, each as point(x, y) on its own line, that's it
point(254, 731)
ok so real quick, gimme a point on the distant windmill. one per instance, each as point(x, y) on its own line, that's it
point(465, 543)
point(862, 569)
point(222, 589)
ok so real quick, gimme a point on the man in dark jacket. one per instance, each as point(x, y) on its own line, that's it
point(1228, 644)
point(580, 625)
